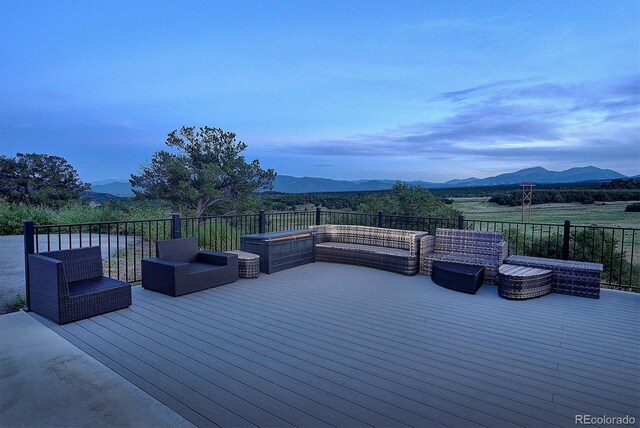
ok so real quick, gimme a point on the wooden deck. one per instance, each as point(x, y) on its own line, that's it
point(328, 344)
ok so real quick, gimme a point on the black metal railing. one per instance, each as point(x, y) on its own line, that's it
point(278, 221)
point(125, 243)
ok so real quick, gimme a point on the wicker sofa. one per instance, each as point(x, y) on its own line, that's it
point(470, 247)
point(181, 269)
point(387, 249)
point(68, 285)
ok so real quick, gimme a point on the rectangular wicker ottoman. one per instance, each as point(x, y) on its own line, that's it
point(458, 276)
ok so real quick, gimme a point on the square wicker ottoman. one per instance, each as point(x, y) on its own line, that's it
point(248, 263)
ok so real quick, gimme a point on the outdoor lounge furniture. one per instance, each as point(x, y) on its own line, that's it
point(388, 249)
point(569, 276)
point(522, 282)
point(458, 277)
point(248, 264)
point(68, 285)
point(281, 250)
point(470, 247)
point(180, 268)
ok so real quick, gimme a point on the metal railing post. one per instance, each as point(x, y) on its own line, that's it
point(380, 218)
point(176, 230)
point(565, 240)
point(460, 222)
point(28, 233)
point(318, 216)
point(262, 222)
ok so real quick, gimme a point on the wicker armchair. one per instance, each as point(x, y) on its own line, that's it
point(68, 285)
point(181, 269)
point(469, 247)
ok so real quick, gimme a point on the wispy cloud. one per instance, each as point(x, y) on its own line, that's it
point(514, 119)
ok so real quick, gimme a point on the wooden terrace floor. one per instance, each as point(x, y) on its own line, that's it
point(329, 344)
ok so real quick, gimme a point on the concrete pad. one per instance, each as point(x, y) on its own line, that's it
point(46, 381)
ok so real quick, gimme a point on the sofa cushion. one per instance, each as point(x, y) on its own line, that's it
point(182, 250)
point(94, 285)
point(468, 242)
point(462, 258)
point(79, 263)
point(195, 268)
point(365, 248)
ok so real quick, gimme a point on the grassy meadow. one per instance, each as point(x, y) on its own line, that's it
point(610, 214)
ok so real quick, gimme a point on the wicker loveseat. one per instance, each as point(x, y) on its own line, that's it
point(388, 249)
point(181, 269)
point(68, 285)
point(470, 247)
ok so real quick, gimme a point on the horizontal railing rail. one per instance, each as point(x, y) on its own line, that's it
point(125, 243)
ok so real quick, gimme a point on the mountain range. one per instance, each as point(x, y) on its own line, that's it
point(289, 184)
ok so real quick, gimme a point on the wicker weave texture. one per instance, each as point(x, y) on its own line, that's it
point(569, 277)
point(248, 264)
point(521, 282)
point(471, 247)
point(175, 277)
point(387, 249)
point(55, 296)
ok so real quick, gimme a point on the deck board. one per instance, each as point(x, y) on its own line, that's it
point(337, 345)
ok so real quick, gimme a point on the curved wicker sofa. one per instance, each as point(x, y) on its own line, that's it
point(387, 249)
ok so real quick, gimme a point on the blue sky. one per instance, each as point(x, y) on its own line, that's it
point(406, 90)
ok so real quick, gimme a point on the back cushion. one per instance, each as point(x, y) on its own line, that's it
point(180, 250)
point(79, 263)
point(468, 242)
point(365, 235)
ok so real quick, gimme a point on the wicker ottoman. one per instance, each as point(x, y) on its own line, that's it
point(521, 282)
point(248, 264)
point(457, 276)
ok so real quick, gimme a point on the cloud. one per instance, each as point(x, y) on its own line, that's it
point(513, 119)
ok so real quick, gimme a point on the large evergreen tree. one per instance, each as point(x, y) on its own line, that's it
point(406, 200)
point(205, 172)
point(39, 179)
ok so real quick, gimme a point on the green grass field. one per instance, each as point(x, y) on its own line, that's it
point(610, 214)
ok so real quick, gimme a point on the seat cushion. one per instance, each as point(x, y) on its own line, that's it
point(196, 268)
point(471, 259)
point(94, 285)
point(365, 248)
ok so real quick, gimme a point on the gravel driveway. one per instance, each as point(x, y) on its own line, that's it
point(12, 256)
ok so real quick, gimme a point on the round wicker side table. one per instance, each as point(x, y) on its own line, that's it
point(521, 282)
point(248, 264)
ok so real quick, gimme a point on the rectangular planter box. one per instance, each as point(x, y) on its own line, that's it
point(281, 250)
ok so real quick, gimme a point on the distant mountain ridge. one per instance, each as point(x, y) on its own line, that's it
point(540, 175)
point(115, 187)
point(290, 184)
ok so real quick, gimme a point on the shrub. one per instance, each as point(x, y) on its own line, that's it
point(633, 208)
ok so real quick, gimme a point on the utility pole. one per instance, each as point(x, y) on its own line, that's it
point(527, 197)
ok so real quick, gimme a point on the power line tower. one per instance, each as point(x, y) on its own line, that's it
point(527, 197)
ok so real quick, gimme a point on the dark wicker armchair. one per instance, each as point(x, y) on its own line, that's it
point(181, 269)
point(68, 285)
